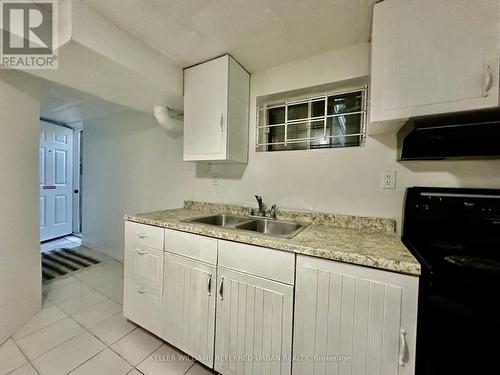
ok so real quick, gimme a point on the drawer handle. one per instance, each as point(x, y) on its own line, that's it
point(209, 284)
point(221, 288)
point(221, 122)
point(403, 348)
point(141, 252)
point(141, 290)
point(141, 235)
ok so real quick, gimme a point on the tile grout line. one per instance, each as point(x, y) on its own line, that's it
point(88, 330)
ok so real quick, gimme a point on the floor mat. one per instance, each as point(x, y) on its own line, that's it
point(60, 262)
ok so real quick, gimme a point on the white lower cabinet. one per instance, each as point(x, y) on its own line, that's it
point(189, 306)
point(231, 306)
point(143, 305)
point(254, 325)
point(353, 320)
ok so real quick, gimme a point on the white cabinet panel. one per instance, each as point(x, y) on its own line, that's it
point(144, 264)
point(256, 260)
point(205, 109)
point(191, 246)
point(143, 306)
point(254, 325)
point(189, 306)
point(144, 235)
point(216, 100)
point(433, 57)
point(352, 319)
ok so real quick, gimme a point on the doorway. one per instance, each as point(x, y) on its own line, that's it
point(59, 181)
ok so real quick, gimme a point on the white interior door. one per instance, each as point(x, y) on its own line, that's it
point(56, 181)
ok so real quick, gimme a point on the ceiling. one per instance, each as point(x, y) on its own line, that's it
point(258, 33)
point(72, 107)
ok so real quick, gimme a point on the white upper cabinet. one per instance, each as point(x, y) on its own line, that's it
point(216, 95)
point(433, 57)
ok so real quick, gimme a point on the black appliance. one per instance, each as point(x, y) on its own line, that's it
point(455, 235)
point(460, 135)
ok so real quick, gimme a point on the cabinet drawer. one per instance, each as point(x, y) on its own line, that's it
point(260, 261)
point(145, 235)
point(191, 246)
point(144, 264)
point(142, 305)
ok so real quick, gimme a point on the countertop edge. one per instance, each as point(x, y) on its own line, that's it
point(382, 263)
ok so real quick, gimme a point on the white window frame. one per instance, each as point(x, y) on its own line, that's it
point(309, 100)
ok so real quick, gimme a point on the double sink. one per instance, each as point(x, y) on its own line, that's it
point(271, 227)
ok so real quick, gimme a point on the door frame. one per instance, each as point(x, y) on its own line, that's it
point(77, 178)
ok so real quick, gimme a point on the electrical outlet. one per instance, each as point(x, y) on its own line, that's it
point(215, 179)
point(389, 179)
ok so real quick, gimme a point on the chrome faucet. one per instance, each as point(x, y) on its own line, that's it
point(262, 207)
point(273, 212)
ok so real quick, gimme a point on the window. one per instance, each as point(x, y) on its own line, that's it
point(324, 121)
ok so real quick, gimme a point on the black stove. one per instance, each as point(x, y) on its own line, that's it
point(455, 235)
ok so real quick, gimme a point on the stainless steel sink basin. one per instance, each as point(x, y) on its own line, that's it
point(273, 227)
point(221, 220)
point(270, 227)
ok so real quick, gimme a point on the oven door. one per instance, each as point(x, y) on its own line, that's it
point(458, 338)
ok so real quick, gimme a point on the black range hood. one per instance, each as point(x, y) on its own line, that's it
point(460, 135)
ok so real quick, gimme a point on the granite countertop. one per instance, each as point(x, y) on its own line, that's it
point(364, 241)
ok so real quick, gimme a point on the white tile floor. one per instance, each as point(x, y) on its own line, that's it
point(81, 331)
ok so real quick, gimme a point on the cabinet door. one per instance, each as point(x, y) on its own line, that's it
point(353, 320)
point(254, 325)
point(189, 306)
point(142, 305)
point(433, 57)
point(205, 110)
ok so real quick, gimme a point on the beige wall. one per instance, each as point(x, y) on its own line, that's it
point(343, 181)
point(20, 277)
point(130, 165)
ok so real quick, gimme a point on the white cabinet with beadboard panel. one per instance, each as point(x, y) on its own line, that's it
point(254, 325)
point(143, 305)
point(216, 102)
point(143, 275)
point(144, 263)
point(433, 57)
point(189, 306)
point(354, 319)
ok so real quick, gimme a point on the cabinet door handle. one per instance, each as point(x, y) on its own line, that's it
point(403, 348)
point(141, 290)
point(221, 122)
point(141, 252)
point(142, 235)
point(487, 80)
point(209, 284)
point(221, 289)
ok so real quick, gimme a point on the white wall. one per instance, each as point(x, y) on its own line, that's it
point(20, 275)
point(130, 165)
point(334, 180)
